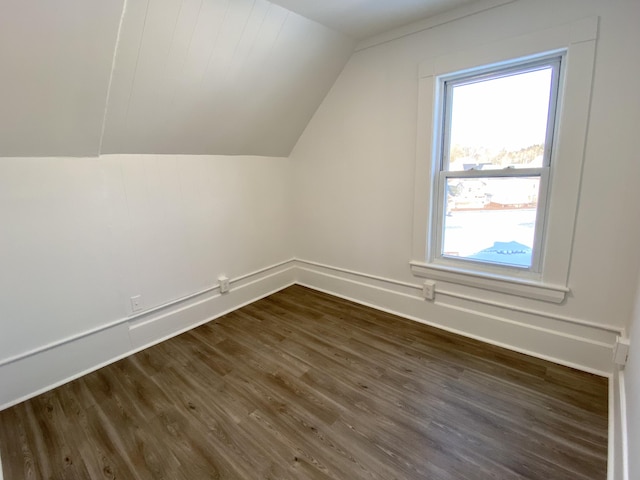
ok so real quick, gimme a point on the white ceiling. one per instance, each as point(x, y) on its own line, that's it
point(56, 61)
point(237, 77)
point(363, 18)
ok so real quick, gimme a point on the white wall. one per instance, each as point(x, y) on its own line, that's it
point(80, 236)
point(353, 184)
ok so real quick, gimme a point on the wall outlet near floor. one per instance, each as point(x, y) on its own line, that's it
point(224, 284)
point(429, 289)
point(136, 303)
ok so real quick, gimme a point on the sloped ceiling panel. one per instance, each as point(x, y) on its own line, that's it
point(217, 77)
point(55, 59)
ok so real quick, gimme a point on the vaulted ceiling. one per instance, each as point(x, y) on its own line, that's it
point(85, 77)
point(55, 61)
point(217, 76)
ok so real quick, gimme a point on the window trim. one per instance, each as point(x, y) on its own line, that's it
point(577, 41)
point(443, 116)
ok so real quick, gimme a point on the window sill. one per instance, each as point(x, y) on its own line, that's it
point(492, 282)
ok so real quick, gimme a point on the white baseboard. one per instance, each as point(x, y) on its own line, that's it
point(618, 458)
point(564, 341)
point(622, 450)
point(147, 331)
point(572, 343)
point(612, 443)
point(38, 371)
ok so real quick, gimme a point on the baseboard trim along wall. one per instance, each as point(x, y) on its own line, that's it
point(566, 341)
point(618, 449)
point(43, 369)
point(621, 448)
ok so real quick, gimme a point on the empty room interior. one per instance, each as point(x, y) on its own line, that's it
point(339, 239)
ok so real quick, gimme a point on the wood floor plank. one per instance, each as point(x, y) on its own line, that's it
point(303, 385)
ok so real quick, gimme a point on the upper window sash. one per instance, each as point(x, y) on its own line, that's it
point(450, 81)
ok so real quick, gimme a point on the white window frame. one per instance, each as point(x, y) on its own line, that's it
point(547, 281)
point(445, 87)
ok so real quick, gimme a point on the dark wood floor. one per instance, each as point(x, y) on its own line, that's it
point(303, 385)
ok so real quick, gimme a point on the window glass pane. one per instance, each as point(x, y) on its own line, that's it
point(491, 219)
point(499, 122)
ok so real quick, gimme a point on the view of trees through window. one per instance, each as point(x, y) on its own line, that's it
point(502, 158)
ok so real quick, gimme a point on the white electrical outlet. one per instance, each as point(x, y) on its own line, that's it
point(429, 289)
point(136, 303)
point(224, 284)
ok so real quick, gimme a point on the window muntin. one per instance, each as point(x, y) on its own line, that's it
point(497, 134)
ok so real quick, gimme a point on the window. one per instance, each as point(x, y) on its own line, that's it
point(501, 136)
point(494, 160)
